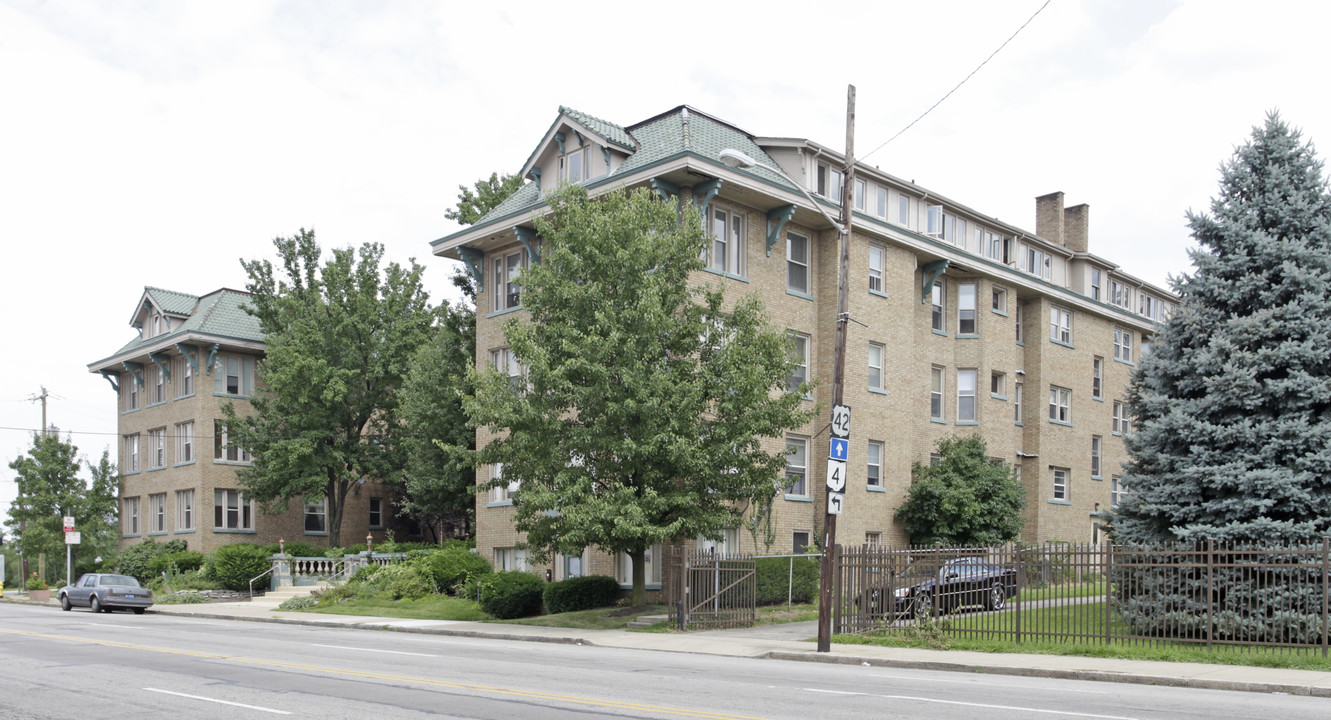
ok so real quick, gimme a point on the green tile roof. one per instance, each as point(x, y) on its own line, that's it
point(170, 301)
point(220, 314)
point(607, 130)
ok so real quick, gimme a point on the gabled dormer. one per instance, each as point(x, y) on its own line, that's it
point(159, 312)
point(577, 148)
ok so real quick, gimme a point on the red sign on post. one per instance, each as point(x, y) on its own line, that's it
point(69, 524)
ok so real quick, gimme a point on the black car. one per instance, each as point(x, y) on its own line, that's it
point(923, 590)
point(104, 592)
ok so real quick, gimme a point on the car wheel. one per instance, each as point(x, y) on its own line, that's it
point(95, 605)
point(65, 604)
point(138, 611)
point(997, 599)
point(924, 605)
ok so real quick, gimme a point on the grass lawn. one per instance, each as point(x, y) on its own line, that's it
point(612, 618)
point(435, 607)
point(975, 633)
point(1069, 590)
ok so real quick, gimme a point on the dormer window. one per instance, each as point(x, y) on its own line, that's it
point(829, 182)
point(573, 166)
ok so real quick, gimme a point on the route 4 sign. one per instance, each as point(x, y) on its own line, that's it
point(841, 421)
point(836, 475)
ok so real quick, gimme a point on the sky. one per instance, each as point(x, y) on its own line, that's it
point(159, 143)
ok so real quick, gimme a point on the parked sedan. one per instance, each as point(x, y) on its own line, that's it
point(964, 582)
point(104, 592)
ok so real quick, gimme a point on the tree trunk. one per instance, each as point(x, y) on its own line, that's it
point(337, 495)
point(639, 596)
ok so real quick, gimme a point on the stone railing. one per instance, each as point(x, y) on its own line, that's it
point(289, 570)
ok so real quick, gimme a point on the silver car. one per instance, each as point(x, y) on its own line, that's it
point(104, 592)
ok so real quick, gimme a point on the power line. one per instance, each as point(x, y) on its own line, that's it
point(963, 82)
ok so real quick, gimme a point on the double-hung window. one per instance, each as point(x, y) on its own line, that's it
point(876, 261)
point(881, 209)
point(232, 511)
point(876, 353)
point(829, 182)
point(184, 373)
point(1021, 320)
point(157, 513)
point(727, 250)
point(185, 442)
point(316, 516)
point(797, 465)
point(1117, 492)
point(156, 384)
point(1060, 404)
point(1017, 389)
point(861, 193)
point(1119, 294)
point(874, 473)
point(131, 517)
point(965, 395)
point(799, 355)
point(936, 393)
point(903, 210)
point(233, 375)
point(966, 309)
point(376, 512)
point(1097, 445)
point(506, 292)
point(937, 317)
point(504, 361)
point(1121, 420)
point(130, 459)
point(1060, 483)
point(131, 385)
point(184, 509)
point(1123, 345)
point(504, 492)
point(1098, 377)
point(224, 447)
point(1060, 325)
point(1095, 283)
point(797, 263)
point(157, 448)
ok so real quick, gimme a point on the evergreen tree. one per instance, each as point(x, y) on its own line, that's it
point(966, 499)
point(1233, 406)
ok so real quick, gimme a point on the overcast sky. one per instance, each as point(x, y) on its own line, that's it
point(157, 143)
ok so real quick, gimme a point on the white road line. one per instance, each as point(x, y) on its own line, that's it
point(109, 625)
point(971, 704)
point(390, 652)
point(222, 702)
point(972, 682)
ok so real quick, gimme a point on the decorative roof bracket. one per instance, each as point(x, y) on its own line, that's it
point(112, 378)
point(163, 361)
point(929, 274)
point(605, 153)
point(191, 353)
point(581, 141)
point(535, 176)
point(212, 353)
point(665, 188)
point(559, 140)
point(473, 259)
point(527, 237)
point(135, 369)
point(703, 194)
point(779, 215)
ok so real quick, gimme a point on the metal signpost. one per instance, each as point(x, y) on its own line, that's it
point(71, 539)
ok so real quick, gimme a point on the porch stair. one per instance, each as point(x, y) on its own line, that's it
point(276, 597)
point(645, 621)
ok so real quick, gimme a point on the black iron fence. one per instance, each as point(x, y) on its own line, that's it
point(707, 590)
point(1239, 596)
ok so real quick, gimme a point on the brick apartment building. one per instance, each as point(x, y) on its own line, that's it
point(969, 325)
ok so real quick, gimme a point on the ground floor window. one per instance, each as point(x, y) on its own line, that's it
point(511, 559)
point(232, 511)
point(651, 561)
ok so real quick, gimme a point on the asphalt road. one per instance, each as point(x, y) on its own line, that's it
point(102, 667)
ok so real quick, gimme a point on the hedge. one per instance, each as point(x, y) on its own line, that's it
point(509, 594)
point(134, 559)
point(451, 568)
point(233, 566)
point(581, 593)
point(181, 561)
point(774, 577)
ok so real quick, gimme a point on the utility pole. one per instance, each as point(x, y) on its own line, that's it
point(41, 399)
point(834, 495)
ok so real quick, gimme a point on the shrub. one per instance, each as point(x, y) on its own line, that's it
point(133, 560)
point(182, 562)
point(36, 583)
point(509, 594)
point(299, 549)
point(402, 581)
point(181, 598)
point(774, 577)
point(300, 602)
point(233, 566)
point(450, 568)
point(581, 593)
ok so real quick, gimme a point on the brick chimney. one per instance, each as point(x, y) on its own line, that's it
point(1049, 217)
point(1076, 227)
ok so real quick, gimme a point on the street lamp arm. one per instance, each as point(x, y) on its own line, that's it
point(739, 160)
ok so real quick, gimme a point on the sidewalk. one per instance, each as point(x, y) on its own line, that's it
point(792, 642)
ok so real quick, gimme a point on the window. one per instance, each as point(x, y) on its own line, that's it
point(1060, 325)
point(933, 221)
point(966, 309)
point(157, 513)
point(903, 211)
point(876, 260)
point(223, 448)
point(185, 442)
point(936, 393)
point(316, 516)
point(998, 384)
point(512, 559)
point(1060, 483)
point(1119, 293)
point(1037, 262)
point(1095, 283)
point(935, 459)
point(130, 460)
point(504, 493)
point(799, 541)
point(876, 352)
point(965, 395)
point(727, 544)
point(1148, 306)
point(651, 561)
point(131, 517)
point(799, 355)
point(1000, 300)
point(873, 539)
point(157, 448)
point(131, 385)
point(957, 236)
point(233, 375)
point(1117, 492)
point(874, 474)
point(992, 244)
point(1060, 404)
point(184, 373)
point(797, 263)
point(727, 251)
point(184, 510)
point(1017, 389)
point(1021, 331)
point(797, 465)
point(1096, 444)
point(861, 191)
point(1098, 377)
point(506, 292)
point(881, 210)
point(1121, 421)
point(829, 182)
point(573, 166)
point(504, 361)
point(156, 385)
point(376, 512)
point(938, 298)
point(1123, 345)
point(232, 511)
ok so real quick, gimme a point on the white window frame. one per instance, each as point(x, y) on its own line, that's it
point(798, 264)
point(157, 448)
point(1122, 423)
point(157, 513)
point(651, 567)
point(512, 559)
point(829, 182)
point(130, 463)
point(156, 384)
point(503, 360)
point(937, 387)
point(505, 291)
point(1060, 325)
point(1097, 455)
point(933, 221)
point(185, 509)
point(1060, 404)
point(1117, 491)
point(874, 463)
point(1097, 377)
point(877, 263)
point(903, 210)
point(998, 383)
point(938, 307)
point(316, 517)
point(1122, 345)
point(881, 210)
point(967, 308)
point(503, 493)
point(184, 442)
point(797, 466)
point(1060, 488)
point(132, 519)
point(1018, 389)
point(184, 377)
point(966, 389)
point(223, 449)
point(877, 354)
point(799, 353)
point(727, 251)
point(132, 391)
point(1096, 281)
point(566, 163)
point(861, 194)
point(232, 510)
point(999, 300)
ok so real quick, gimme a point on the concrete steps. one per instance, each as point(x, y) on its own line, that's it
point(645, 621)
point(282, 594)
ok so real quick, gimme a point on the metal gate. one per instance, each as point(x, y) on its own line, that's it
point(709, 591)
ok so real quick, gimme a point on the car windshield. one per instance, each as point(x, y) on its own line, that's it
point(121, 580)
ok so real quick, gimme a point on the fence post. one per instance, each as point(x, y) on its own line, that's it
point(1109, 575)
point(790, 583)
point(1326, 591)
point(1210, 591)
point(1021, 580)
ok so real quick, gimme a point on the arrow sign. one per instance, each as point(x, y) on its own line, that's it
point(838, 449)
point(836, 475)
point(834, 503)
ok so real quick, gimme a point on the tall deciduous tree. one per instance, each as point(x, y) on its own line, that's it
point(340, 337)
point(966, 499)
point(642, 402)
point(49, 488)
point(489, 193)
point(1233, 406)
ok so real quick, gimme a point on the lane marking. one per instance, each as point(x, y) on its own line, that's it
point(221, 702)
point(108, 625)
point(470, 687)
point(390, 652)
point(972, 682)
point(971, 704)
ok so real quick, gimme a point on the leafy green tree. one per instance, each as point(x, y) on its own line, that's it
point(489, 193)
point(966, 499)
point(49, 487)
point(340, 337)
point(643, 399)
point(1233, 405)
point(439, 486)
